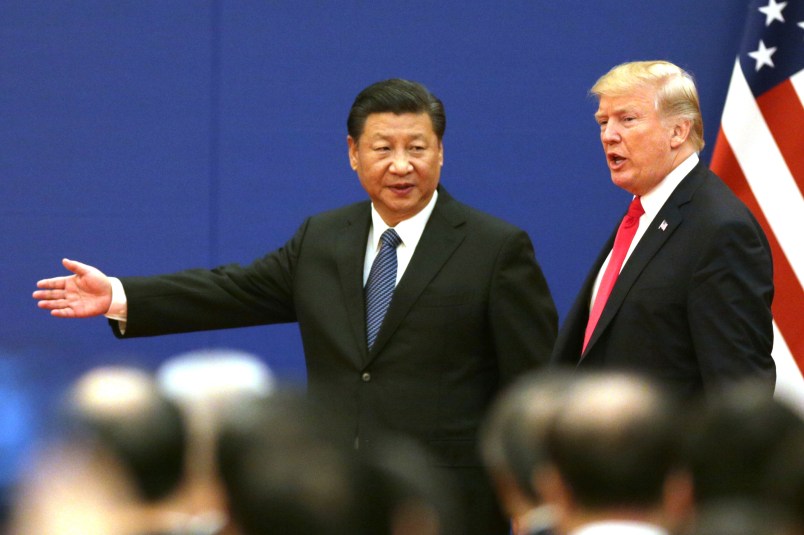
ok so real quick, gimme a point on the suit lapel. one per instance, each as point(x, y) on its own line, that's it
point(659, 231)
point(440, 238)
point(350, 252)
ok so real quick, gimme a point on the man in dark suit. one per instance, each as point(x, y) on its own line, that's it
point(471, 309)
point(691, 304)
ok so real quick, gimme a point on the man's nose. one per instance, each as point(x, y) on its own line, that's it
point(609, 133)
point(400, 164)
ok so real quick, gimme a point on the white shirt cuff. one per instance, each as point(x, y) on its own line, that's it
point(118, 310)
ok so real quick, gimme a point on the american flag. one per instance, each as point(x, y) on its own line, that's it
point(759, 153)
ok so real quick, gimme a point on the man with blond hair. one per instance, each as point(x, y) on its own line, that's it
point(682, 290)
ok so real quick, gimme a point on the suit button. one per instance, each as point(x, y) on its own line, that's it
point(366, 377)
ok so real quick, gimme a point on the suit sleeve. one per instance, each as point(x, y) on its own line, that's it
point(729, 310)
point(522, 313)
point(225, 297)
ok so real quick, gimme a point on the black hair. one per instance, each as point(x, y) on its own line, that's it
point(395, 96)
point(150, 443)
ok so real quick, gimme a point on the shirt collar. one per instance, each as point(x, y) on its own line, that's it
point(653, 200)
point(621, 527)
point(538, 518)
point(410, 230)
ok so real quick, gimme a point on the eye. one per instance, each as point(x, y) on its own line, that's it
point(381, 148)
point(417, 148)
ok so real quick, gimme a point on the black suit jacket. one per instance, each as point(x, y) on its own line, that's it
point(691, 306)
point(471, 312)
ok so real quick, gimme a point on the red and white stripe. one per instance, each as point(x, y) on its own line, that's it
point(759, 153)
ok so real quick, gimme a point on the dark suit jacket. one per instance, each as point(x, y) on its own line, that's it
point(691, 306)
point(471, 312)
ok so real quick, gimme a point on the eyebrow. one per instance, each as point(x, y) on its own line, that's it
point(618, 111)
point(382, 135)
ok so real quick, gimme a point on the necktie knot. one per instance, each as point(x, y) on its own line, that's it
point(635, 211)
point(390, 238)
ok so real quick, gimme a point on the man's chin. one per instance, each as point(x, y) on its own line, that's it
point(623, 182)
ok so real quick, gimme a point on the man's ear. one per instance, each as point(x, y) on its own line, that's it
point(352, 152)
point(553, 491)
point(549, 484)
point(678, 498)
point(681, 132)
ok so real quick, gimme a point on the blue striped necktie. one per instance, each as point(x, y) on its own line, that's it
point(380, 284)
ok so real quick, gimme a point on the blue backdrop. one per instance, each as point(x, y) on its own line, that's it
point(147, 136)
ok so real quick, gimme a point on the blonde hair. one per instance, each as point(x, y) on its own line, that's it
point(676, 95)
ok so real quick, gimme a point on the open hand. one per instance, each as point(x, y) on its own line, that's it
point(84, 294)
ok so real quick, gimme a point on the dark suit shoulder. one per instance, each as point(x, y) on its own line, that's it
point(479, 221)
point(343, 213)
point(728, 199)
point(714, 204)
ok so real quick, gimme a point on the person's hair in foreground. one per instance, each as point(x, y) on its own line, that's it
point(615, 440)
point(123, 410)
point(284, 471)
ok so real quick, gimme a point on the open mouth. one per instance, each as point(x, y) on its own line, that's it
point(401, 188)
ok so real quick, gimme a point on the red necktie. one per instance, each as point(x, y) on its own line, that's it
point(625, 235)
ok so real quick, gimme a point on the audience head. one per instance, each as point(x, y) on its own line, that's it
point(402, 492)
point(731, 439)
point(512, 437)
point(281, 470)
point(74, 484)
point(114, 465)
point(285, 470)
point(206, 384)
point(742, 449)
point(784, 481)
point(613, 447)
point(123, 410)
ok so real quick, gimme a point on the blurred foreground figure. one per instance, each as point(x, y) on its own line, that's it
point(283, 473)
point(118, 466)
point(744, 449)
point(207, 384)
point(72, 488)
point(514, 450)
point(784, 482)
point(614, 454)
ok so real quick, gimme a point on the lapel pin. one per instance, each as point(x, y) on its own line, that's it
point(663, 225)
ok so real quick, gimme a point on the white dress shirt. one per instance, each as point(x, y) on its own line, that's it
point(409, 230)
point(652, 202)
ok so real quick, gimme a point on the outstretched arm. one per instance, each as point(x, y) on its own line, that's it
point(84, 294)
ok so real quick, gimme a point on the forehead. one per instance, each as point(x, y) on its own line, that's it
point(387, 124)
point(640, 99)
